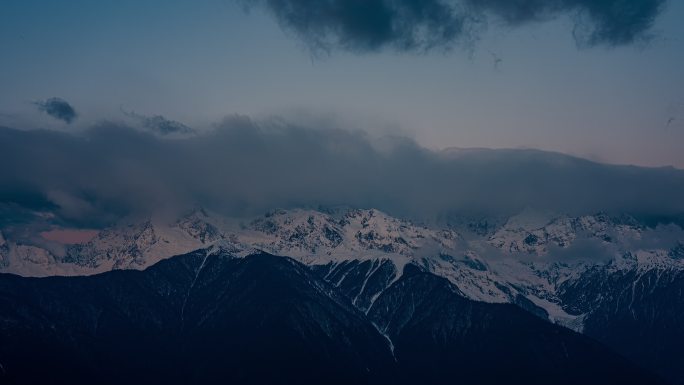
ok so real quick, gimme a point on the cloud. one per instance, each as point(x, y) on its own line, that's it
point(582, 249)
point(369, 25)
point(421, 25)
point(660, 236)
point(159, 124)
point(245, 168)
point(58, 109)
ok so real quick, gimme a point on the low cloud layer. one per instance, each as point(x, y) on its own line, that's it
point(58, 108)
point(420, 25)
point(241, 168)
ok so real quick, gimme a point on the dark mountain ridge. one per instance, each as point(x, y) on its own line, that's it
point(212, 318)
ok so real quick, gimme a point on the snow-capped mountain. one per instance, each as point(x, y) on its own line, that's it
point(212, 317)
point(524, 260)
point(595, 274)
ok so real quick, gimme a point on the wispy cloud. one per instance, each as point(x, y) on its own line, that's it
point(159, 124)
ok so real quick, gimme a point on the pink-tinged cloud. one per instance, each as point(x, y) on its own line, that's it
point(69, 236)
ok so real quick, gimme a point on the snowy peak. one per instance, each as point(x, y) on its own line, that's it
point(307, 233)
point(302, 230)
point(535, 235)
point(129, 245)
point(198, 226)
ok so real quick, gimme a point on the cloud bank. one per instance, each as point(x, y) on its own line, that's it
point(421, 25)
point(245, 168)
point(58, 108)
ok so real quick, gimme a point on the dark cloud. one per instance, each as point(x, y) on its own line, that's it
point(159, 124)
point(368, 25)
point(58, 109)
point(246, 168)
point(403, 25)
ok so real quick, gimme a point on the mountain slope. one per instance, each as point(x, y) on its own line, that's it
point(191, 319)
point(579, 272)
point(638, 313)
point(208, 317)
point(432, 327)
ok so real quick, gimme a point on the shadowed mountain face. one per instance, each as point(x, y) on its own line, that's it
point(433, 326)
point(637, 314)
point(262, 319)
point(202, 318)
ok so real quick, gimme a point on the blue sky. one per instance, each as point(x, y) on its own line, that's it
point(196, 62)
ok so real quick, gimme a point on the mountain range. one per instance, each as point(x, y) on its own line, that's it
point(349, 296)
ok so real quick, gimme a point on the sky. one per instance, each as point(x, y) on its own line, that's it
point(573, 76)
